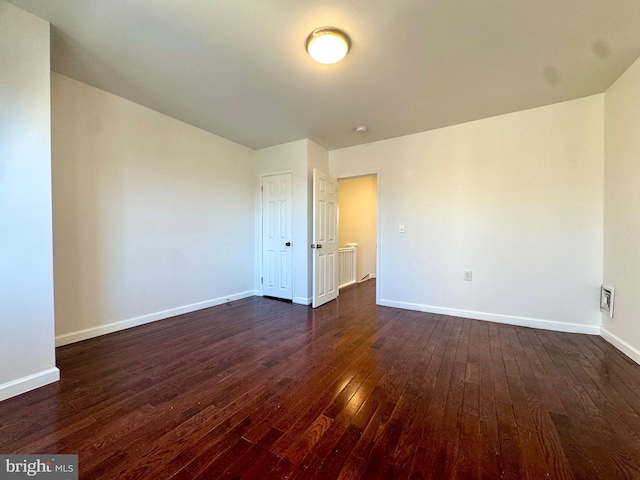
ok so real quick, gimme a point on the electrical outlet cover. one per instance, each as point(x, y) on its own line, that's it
point(606, 299)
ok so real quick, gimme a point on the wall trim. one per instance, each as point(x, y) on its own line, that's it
point(87, 333)
point(302, 300)
point(28, 383)
point(626, 348)
point(491, 317)
point(367, 277)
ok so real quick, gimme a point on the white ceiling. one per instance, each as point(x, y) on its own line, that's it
point(239, 69)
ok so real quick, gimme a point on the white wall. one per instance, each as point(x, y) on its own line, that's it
point(358, 220)
point(152, 217)
point(517, 199)
point(299, 158)
point(27, 357)
point(290, 157)
point(622, 211)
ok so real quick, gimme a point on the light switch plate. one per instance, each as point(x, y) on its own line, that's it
point(606, 299)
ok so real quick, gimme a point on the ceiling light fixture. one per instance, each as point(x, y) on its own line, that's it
point(328, 45)
point(360, 129)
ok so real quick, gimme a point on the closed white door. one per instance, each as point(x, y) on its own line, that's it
point(277, 265)
point(325, 238)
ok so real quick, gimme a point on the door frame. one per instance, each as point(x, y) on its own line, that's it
point(378, 174)
point(258, 236)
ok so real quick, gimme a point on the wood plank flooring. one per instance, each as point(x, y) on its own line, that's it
point(261, 389)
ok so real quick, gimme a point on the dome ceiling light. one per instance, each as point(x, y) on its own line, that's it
point(328, 45)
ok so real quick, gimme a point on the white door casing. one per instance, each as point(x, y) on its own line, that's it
point(325, 238)
point(277, 264)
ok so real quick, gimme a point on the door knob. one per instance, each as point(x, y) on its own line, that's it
point(318, 246)
point(288, 244)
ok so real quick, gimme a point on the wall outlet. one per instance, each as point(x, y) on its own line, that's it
point(401, 228)
point(467, 275)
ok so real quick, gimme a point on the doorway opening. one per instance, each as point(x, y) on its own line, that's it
point(358, 222)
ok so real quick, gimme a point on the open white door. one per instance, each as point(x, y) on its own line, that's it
point(277, 266)
point(325, 238)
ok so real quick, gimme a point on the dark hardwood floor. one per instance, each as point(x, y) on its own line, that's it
point(261, 389)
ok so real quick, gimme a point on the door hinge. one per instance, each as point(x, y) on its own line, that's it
point(261, 188)
point(261, 280)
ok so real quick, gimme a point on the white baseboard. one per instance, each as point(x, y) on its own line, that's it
point(630, 351)
point(30, 382)
point(79, 335)
point(368, 276)
point(491, 317)
point(302, 300)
